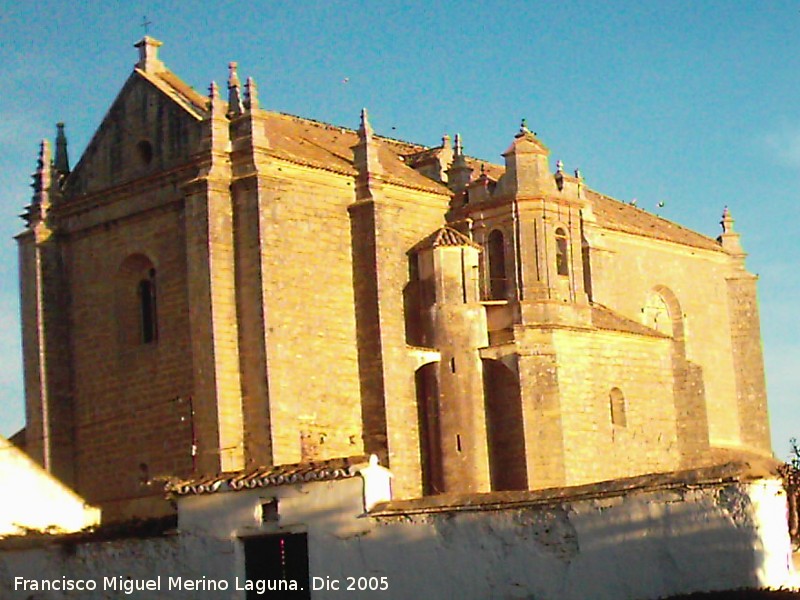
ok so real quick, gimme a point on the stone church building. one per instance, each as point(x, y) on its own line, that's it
point(215, 287)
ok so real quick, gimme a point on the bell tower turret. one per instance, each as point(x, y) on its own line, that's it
point(531, 228)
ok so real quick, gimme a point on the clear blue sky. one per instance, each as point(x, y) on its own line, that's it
point(690, 103)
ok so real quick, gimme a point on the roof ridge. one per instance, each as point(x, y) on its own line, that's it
point(625, 323)
point(662, 228)
point(650, 214)
point(333, 126)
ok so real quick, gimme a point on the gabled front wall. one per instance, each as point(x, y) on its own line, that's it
point(627, 268)
point(143, 132)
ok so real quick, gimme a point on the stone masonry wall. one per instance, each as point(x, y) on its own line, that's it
point(626, 269)
point(308, 311)
point(748, 361)
point(403, 218)
point(589, 366)
point(132, 399)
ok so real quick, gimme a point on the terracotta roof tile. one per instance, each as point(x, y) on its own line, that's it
point(493, 172)
point(445, 236)
point(196, 99)
point(182, 94)
point(421, 156)
point(616, 215)
point(605, 318)
point(329, 147)
point(258, 477)
point(326, 146)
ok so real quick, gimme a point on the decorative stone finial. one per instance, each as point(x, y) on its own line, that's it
point(250, 94)
point(213, 93)
point(41, 178)
point(235, 106)
point(445, 141)
point(730, 239)
point(61, 159)
point(364, 128)
point(578, 174)
point(458, 149)
point(727, 221)
point(233, 75)
point(214, 104)
point(459, 173)
point(559, 166)
point(365, 158)
point(148, 55)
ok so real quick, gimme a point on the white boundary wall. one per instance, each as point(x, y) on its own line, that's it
point(637, 544)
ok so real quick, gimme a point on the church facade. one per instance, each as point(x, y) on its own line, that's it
point(215, 286)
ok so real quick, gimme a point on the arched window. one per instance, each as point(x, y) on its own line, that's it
point(136, 301)
point(655, 314)
point(497, 265)
point(662, 311)
point(148, 316)
point(562, 259)
point(616, 402)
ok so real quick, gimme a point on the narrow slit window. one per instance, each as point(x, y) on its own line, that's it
point(562, 260)
point(616, 402)
point(147, 308)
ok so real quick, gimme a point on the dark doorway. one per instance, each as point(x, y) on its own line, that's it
point(277, 560)
point(507, 455)
point(428, 413)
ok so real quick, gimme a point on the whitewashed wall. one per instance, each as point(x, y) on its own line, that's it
point(642, 544)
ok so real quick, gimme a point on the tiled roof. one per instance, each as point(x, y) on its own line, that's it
point(424, 155)
point(326, 146)
point(191, 95)
point(329, 147)
point(445, 236)
point(493, 172)
point(605, 318)
point(259, 477)
point(183, 95)
point(310, 142)
point(616, 215)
